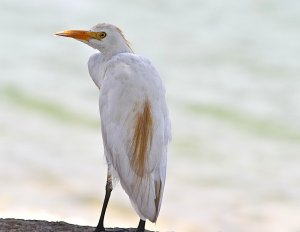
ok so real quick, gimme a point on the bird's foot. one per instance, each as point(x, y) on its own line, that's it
point(102, 229)
point(99, 229)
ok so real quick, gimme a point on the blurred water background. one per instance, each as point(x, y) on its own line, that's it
point(232, 72)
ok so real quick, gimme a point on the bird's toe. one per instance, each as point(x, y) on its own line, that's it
point(99, 229)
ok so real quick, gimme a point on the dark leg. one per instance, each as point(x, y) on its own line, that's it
point(141, 226)
point(108, 189)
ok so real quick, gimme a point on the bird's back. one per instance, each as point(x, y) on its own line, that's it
point(135, 129)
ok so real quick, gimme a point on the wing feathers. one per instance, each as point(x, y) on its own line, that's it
point(141, 140)
point(158, 186)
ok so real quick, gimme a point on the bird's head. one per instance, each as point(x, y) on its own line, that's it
point(106, 38)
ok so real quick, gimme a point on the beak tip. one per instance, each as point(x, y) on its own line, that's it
point(75, 34)
point(58, 33)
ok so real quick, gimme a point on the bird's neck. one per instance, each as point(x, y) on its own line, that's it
point(121, 47)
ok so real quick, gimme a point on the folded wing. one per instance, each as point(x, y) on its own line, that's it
point(136, 130)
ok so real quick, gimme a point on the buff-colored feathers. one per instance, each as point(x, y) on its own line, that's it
point(158, 186)
point(127, 42)
point(142, 139)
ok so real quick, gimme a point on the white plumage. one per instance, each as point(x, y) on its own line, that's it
point(128, 81)
point(131, 95)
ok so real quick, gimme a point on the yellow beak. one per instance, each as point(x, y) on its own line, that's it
point(78, 34)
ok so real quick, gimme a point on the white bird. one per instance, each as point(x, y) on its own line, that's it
point(134, 119)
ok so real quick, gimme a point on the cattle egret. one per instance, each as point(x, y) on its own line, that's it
point(134, 120)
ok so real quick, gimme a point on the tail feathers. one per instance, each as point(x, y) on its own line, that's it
point(147, 200)
point(157, 201)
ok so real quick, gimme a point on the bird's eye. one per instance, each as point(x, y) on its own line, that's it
point(102, 35)
point(99, 35)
